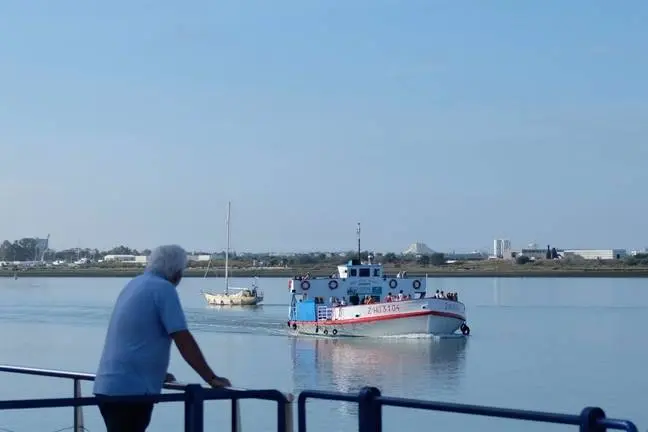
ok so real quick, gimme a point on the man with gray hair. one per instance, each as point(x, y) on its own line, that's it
point(146, 317)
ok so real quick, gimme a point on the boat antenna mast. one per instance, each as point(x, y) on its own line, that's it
point(227, 222)
point(358, 232)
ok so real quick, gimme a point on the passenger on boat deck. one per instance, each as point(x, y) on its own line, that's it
point(147, 316)
point(388, 298)
point(400, 295)
point(368, 300)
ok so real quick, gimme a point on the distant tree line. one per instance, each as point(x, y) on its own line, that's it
point(321, 258)
point(638, 259)
point(25, 249)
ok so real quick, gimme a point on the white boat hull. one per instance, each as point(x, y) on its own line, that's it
point(232, 299)
point(427, 316)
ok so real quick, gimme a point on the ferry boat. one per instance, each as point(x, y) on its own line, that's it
point(361, 300)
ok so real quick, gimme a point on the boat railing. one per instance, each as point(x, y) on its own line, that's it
point(324, 313)
point(193, 396)
point(370, 403)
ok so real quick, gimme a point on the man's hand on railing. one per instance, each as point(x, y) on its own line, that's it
point(219, 382)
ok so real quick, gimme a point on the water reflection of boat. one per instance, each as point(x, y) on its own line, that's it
point(401, 366)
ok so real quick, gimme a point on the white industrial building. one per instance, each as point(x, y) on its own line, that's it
point(134, 259)
point(418, 248)
point(594, 254)
point(143, 259)
point(198, 257)
point(502, 248)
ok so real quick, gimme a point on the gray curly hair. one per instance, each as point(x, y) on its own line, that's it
point(167, 261)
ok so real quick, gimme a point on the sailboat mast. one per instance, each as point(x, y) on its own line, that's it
point(229, 206)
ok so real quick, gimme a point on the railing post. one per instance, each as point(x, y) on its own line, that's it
point(301, 413)
point(285, 413)
point(590, 417)
point(288, 426)
point(369, 410)
point(78, 410)
point(236, 416)
point(194, 404)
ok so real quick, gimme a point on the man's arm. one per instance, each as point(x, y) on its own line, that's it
point(175, 323)
point(190, 351)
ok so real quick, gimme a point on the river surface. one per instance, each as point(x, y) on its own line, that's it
point(547, 344)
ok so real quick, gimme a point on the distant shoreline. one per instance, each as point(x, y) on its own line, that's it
point(432, 272)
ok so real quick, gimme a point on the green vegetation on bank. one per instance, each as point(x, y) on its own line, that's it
point(540, 268)
point(317, 263)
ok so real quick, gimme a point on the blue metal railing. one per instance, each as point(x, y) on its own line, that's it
point(369, 400)
point(193, 396)
point(370, 403)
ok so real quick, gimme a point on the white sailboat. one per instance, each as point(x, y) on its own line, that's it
point(233, 296)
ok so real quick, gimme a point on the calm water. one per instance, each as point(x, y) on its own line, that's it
point(550, 344)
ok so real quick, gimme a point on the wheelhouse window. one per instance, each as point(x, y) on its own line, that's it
point(364, 272)
point(353, 272)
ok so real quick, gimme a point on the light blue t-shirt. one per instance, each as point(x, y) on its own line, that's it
point(136, 352)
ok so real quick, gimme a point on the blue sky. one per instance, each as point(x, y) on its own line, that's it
point(452, 123)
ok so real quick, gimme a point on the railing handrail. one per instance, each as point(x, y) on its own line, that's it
point(206, 394)
point(193, 396)
point(53, 373)
point(83, 376)
point(371, 401)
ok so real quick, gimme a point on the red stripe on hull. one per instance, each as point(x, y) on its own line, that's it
point(381, 318)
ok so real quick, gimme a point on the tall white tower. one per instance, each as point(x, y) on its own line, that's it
point(501, 248)
point(497, 248)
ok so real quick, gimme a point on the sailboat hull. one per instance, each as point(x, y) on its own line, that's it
point(232, 299)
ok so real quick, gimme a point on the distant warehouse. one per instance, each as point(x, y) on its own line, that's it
point(143, 259)
point(594, 254)
point(133, 259)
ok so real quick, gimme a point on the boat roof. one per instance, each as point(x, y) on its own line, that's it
point(358, 263)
